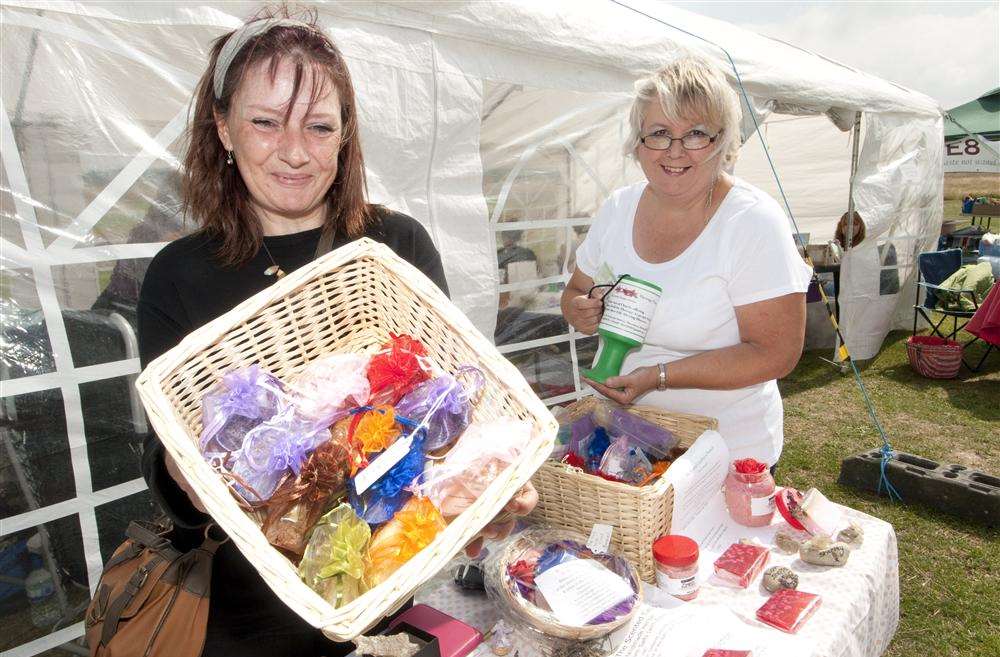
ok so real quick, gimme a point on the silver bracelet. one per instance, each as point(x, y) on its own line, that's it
point(661, 383)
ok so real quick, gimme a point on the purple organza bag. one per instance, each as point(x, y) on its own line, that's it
point(242, 400)
point(443, 405)
point(274, 449)
point(655, 440)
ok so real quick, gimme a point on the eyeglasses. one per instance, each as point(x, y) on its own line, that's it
point(610, 286)
point(692, 141)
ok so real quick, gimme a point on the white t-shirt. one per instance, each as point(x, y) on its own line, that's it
point(745, 254)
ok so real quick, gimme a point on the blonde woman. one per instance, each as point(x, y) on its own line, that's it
point(731, 319)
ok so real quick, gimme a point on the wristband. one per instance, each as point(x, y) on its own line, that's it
point(661, 383)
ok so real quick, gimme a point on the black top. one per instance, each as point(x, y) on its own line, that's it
point(185, 288)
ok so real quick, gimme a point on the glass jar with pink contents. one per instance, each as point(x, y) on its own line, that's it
point(749, 491)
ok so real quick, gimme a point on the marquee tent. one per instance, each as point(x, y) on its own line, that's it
point(972, 135)
point(494, 124)
point(980, 116)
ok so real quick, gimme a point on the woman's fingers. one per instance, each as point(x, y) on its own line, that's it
point(523, 503)
point(519, 505)
point(586, 313)
point(473, 549)
point(621, 396)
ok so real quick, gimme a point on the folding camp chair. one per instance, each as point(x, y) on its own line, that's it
point(932, 268)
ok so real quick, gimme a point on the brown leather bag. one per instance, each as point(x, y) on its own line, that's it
point(152, 599)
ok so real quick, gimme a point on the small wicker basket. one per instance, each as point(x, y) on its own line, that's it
point(572, 499)
point(934, 357)
point(545, 621)
point(349, 300)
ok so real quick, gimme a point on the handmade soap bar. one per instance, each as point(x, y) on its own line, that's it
point(788, 609)
point(741, 563)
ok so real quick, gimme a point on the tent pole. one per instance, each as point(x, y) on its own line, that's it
point(849, 237)
point(856, 133)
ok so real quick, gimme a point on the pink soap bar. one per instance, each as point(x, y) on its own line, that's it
point(719, 652)
point(741, 563)
point(788, 609)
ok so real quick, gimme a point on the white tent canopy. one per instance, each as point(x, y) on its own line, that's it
point(484, 120)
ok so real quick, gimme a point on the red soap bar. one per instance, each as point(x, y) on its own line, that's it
point(719, 652)
point(788, 609)
point(741, 563)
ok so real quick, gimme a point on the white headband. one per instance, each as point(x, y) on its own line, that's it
point(238, 39)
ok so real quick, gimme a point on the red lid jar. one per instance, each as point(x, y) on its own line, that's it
point(749, 493)
point(676, 566)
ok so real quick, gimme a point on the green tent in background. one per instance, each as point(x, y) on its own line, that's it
point(980, 116)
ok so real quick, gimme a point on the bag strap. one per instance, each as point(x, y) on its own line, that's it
point(325, 244)
point(147, 538)
point(132, 588)
point(131, 551)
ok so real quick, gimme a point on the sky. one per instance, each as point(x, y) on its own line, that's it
point(947, 50)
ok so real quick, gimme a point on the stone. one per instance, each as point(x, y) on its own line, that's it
point(790, 540)
point(779, 577)
point(393, 645)
point(853, 535)
point(821, 551)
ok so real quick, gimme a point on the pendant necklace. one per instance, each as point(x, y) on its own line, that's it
point(708, 204)
point(274, 269)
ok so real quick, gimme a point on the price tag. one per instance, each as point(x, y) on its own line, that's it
point(382, 464)
point(600, 538)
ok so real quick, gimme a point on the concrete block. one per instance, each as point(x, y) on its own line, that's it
point(949, 488)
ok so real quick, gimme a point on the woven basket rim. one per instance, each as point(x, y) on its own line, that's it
point(931, 342)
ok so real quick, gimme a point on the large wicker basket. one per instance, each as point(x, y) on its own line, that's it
point(572, 499)
point(349, 300)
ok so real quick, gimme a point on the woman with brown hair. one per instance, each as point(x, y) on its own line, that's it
point(274, 176)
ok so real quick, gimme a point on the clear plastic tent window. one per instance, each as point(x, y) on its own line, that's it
point(498, 126)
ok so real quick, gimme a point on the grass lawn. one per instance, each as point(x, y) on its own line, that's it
point(949, 569)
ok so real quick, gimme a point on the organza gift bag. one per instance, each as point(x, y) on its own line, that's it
point(410, 531)
point(330, 386)
point(443, 405)
point(484, 451)
point(399, 365)
point(243, 399)
point(377, 497)
point(333, 563)
point(272, 451)
point(300, 501)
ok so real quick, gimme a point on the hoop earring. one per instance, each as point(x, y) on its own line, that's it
point(229, 157)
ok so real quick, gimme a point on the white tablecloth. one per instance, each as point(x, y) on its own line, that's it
point(857, 618)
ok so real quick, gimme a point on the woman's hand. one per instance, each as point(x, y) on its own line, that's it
point(584, 313)
point(627, 388)
point(520, 505)
point(176, 474)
